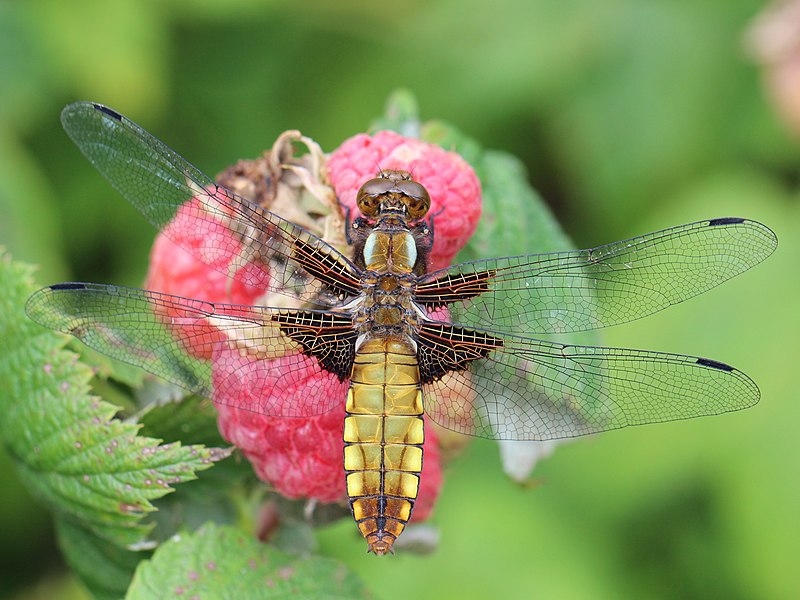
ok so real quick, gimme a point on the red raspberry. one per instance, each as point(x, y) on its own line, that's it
point(300, 456)
point(451, 183)
point(174, 271)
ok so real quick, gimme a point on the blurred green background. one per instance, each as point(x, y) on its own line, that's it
point(630, 115)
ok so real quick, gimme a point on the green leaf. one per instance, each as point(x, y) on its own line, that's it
point(516, 220)
point(222, 562)
point(401, 114)
point(104, 568)
point(450, 138)
point(106, 367)
point(212, 498)
point(223, 494)
point(296, 520)
point(189, 419)
point(67, 446)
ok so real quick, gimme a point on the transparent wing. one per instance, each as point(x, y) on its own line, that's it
point(272, 361)
point(160, 183)
point(587, 289)
point(515, 388)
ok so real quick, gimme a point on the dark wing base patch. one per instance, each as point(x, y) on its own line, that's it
point(453, 287)
point(329, 338)
point(445, 348)
point(325, 267)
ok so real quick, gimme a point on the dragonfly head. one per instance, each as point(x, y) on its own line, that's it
point(393, 192)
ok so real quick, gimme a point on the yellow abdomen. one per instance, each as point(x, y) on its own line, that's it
point(383, 437)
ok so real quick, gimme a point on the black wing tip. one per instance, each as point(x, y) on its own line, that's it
point(714, 364)
point(765, 231)
point(105, 110)
point(83, 105)
point(67, 286)
point(725, 221)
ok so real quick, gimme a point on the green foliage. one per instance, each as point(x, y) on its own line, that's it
point(222, 562)
point(401, 114)
point(188, 419)
point(105, 568)
point(67, 445)
point(216, 496)
point(95, 472)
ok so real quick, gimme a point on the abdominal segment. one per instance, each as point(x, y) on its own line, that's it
point(383, 437)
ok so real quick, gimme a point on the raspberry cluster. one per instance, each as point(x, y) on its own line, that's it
point(302, 457)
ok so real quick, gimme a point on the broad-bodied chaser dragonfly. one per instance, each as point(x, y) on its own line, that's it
point(390, 336)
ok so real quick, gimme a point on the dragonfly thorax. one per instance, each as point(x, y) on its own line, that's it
point(387, 306)
point(390, 251)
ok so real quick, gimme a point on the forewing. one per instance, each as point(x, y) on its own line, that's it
point(516, 388)
point(159, 183)
point(565, 292)
point(278, 362)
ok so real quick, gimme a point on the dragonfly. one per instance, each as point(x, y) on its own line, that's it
point(391, 341)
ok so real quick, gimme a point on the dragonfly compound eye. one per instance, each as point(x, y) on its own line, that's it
point(368, 198)
point(417, 199)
